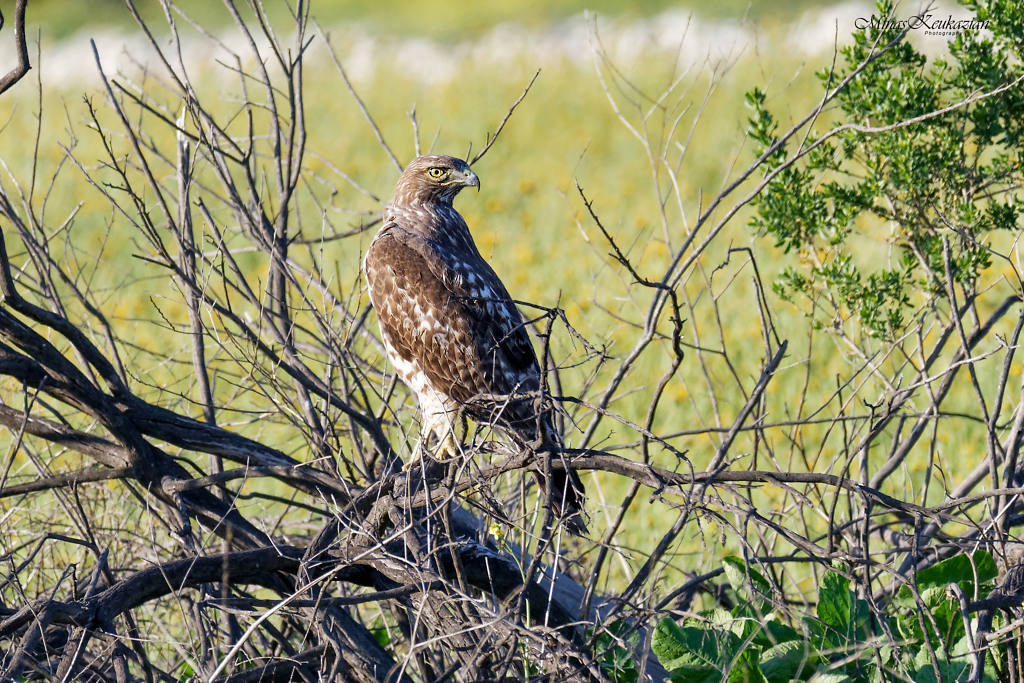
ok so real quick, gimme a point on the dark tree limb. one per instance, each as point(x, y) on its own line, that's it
point(21, 45)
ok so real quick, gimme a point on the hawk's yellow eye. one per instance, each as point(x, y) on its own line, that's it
point(436, 173)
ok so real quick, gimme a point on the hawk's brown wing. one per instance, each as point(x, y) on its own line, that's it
point(451, 313)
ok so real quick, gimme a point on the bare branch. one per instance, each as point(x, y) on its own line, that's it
point(21, 46)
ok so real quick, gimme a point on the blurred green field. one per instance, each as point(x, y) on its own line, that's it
point(439, 20)
point(528, 220)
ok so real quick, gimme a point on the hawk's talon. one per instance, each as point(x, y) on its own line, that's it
point(448, 450)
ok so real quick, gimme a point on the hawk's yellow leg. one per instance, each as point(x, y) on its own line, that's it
point(449, 448)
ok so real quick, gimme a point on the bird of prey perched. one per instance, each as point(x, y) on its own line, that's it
point(451, 329)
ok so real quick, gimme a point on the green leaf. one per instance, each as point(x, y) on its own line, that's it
point(960, 569)
point(746, 628)
point(691, 676)
point(835, 602)
point(679, 648)
point(669, 643)
point(783, 662)
point(745, 669)
point(381, 636)
point(955, 669)
point(692, 648)
point(831, 677)
point(749, 584)
point(715, 617)
point(945, 615)
point(774, 632)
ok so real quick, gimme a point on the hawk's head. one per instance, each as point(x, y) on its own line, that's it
point(433, 179)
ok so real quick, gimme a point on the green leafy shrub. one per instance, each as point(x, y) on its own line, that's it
point(897, 195)
point(844, 640)
point(614, 649)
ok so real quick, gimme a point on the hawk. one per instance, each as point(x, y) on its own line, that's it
point(452, 331)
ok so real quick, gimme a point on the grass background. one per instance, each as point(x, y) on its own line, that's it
point(528, 219)
point(440, 20)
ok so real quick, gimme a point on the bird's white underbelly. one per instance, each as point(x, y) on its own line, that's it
point(437, 409)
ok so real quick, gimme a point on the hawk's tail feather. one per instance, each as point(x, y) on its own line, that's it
point(567, 499)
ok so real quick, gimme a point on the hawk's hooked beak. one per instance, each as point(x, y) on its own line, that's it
point(471, 179)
